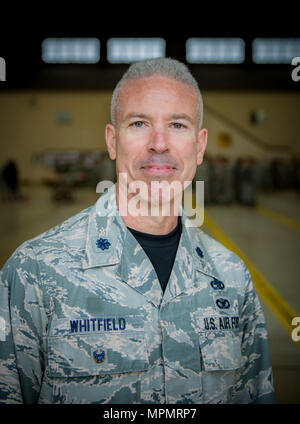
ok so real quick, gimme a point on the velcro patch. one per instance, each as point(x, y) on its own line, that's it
point(220, 322)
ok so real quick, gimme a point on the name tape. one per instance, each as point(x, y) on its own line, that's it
point(220, 323)
point(97, 325)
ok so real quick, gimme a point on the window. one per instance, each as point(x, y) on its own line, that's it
point(128, 50)
point(275, 50)
point(215, 50)
point(71, 50)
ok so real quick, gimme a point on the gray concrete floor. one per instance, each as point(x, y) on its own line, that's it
point(270, 245)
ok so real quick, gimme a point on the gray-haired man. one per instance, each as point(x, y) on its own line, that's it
point(112, 307)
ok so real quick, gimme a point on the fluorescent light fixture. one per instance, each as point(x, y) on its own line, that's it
point(275, 50)
point(71, 50)
point(215, 50)
point(128, 50)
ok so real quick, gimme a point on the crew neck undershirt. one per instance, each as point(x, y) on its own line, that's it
point(161, 250)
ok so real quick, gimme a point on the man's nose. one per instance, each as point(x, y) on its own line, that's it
point(158, 142)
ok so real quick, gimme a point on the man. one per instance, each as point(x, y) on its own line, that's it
point(10, 178)
point(114, 306)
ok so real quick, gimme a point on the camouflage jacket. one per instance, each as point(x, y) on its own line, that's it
point(83, 320)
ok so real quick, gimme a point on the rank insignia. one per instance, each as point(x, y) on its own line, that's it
point(103, 244)
point(199, 252)
point(99, 357)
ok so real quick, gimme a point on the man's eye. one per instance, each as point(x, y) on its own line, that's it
point(138, 124)
point(178, 125)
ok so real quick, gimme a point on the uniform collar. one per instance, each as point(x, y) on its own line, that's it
point(104, 223)
point(109, 242)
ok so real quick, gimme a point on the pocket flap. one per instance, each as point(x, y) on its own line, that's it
point(220, 350)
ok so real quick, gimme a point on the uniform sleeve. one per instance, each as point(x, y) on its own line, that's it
point(254, 382)
point(23, 321)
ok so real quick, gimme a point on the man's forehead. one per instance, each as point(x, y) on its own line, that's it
point(134, 95)
point(154, 82)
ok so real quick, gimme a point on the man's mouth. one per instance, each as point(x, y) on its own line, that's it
point(158, 169)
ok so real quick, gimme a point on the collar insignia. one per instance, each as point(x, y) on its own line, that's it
point(199, 252)
point(103, 243)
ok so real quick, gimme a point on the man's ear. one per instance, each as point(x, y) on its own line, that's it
point(201, 145)
point(110, 137)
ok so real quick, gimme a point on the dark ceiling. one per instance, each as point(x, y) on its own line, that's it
point(20, 46)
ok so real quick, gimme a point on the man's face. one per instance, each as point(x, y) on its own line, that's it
point(157, 136)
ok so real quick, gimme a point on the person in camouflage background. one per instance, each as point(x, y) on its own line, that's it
point(84, 316)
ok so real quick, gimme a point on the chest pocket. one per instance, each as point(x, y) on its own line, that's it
point(221, 361)
point(78, 353)
point(220, 350)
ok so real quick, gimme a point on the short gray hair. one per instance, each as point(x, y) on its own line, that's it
point(167, 67)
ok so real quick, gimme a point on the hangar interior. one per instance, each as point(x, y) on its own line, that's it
point(52, 122)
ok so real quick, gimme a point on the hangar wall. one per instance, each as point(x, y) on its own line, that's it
point(34, 121)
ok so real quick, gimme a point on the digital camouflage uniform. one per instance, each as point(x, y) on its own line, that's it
point(84, 320)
